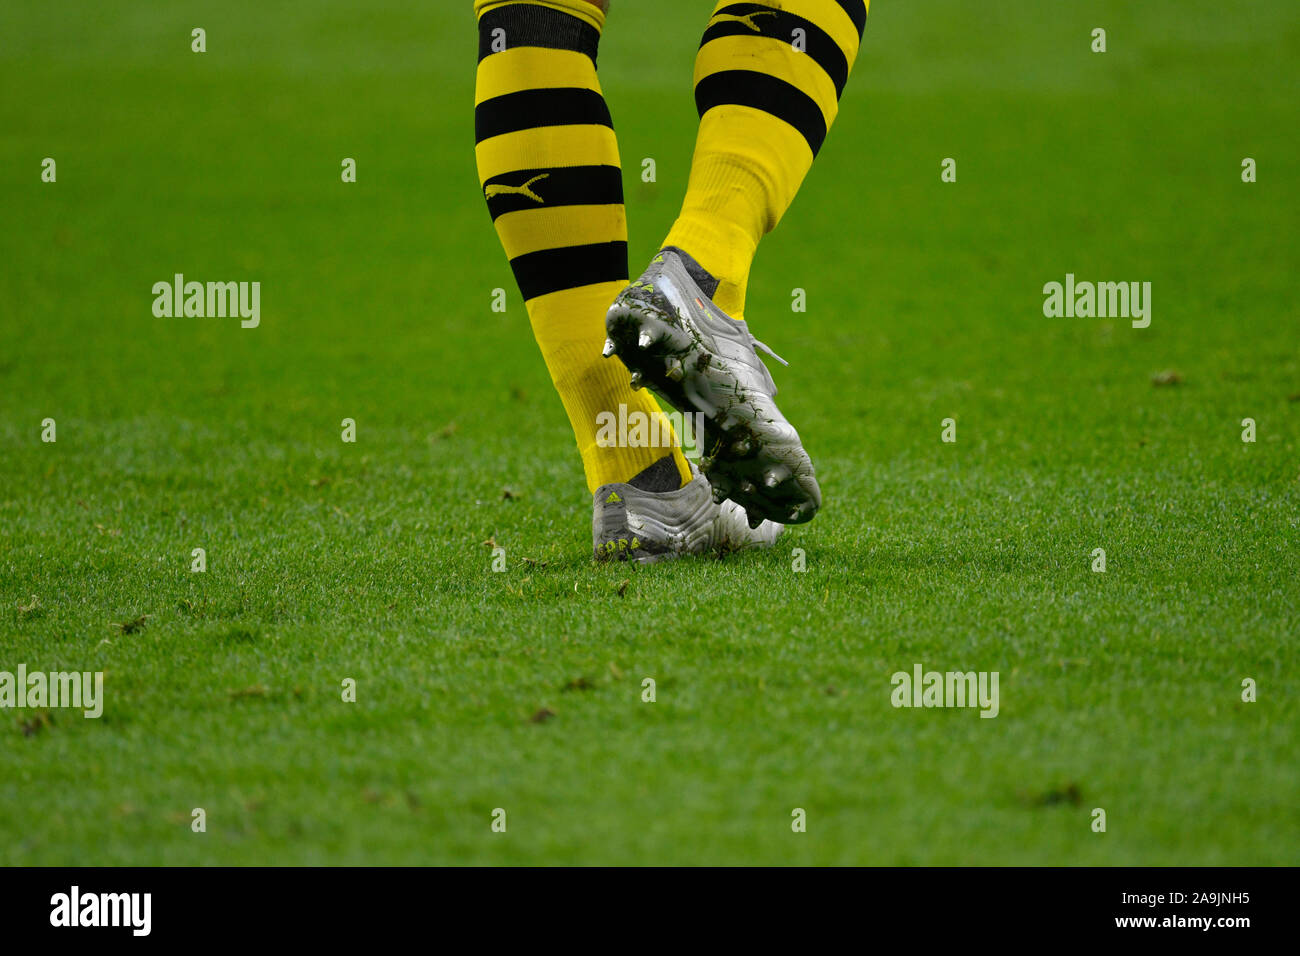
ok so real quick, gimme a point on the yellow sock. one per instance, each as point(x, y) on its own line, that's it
point(768, 77)
point(548, 163)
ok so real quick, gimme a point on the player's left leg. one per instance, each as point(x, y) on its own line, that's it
point(548, 162)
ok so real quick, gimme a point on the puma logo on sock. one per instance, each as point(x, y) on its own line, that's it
point(746, 18)
point(501, 189)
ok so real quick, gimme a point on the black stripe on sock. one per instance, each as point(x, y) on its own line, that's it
point(560, 186)
point(767, 93)
point(529, 109)
point(527, 24)
point(569, 267)
point(781, 25)
point(857, 11)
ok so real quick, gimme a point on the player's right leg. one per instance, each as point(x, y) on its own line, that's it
point(767, 81)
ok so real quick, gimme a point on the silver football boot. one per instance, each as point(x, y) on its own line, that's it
point(690, 353)
point(630, 524)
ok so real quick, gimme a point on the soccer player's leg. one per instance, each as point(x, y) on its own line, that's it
point(767, 82)
point(548, 163)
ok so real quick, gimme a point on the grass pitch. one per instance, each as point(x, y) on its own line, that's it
point(522, 690)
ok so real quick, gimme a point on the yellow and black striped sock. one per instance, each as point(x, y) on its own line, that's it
point(548, 163)
point(768, 78)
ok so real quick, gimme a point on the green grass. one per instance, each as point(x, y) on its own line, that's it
point(329, 560)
